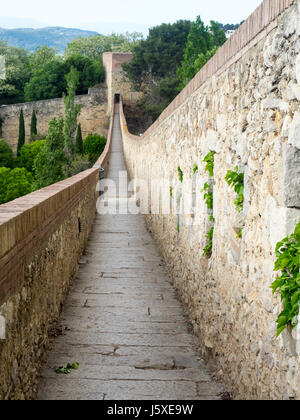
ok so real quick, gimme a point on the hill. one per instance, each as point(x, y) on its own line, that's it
point(52, 37)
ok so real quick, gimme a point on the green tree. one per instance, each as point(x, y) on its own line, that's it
point(47, 82)
point(90, 72)
point(159, 55)
point(79, 141)
point(17, 69)
point(202, 44)
point(14, 183)
point(49, 164)
point(21, 139)
point(6, 155)
point(28, 153)
point(33, 126)
point(93, 147)
point(219, 37)
point(42, 56)
point(72, 112)
point(93, 47)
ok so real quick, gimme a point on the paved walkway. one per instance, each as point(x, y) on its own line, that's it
point(122, 321)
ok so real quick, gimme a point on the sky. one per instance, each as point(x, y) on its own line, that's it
point(134, 14)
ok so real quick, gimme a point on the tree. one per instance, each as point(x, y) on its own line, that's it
point(72, 112)
point(6, 155)
point(159, 55)
point(46, 82)
point(14, 183)
point(91, 72)
point(93, 147)
point(28, 153)
point(79, 142)
point(21, 139)
point(17, 70)
point(33, 127)
point(93, 47)
point(219, 35)
point(202, 44)
point(49, 163)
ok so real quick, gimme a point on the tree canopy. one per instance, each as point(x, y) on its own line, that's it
point(202, 43)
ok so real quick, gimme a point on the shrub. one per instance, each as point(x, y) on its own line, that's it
point(78, 164)
point(14, 183)
point(28, 153)
point(93, 147)
point(6, 155)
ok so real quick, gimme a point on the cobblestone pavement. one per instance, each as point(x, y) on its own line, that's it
point(122, 321)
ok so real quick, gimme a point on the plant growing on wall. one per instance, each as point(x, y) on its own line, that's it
point(235, 179)
point(208, 249)
point(210, 161)
point(288, 283)
point(180, 174)
point(209, 199)
point(208, 196)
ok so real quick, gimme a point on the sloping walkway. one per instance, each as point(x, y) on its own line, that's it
point(122, 321)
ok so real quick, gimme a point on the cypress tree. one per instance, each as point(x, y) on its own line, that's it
point(21, 140)
point(79, 142)
point(33, 128)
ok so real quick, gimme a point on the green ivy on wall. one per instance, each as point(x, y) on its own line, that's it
point(209, 200)
point(235, 179)
point(288, 283)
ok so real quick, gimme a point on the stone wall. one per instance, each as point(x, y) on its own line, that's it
point(93, 116)
point(42, 237)
point(244, 105)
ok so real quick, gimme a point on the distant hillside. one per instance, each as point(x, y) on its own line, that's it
point(52, 37)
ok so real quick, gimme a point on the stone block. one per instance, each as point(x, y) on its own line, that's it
point(282, 222)
point(294, 132)
point(291, 176)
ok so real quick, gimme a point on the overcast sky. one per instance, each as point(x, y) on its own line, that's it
point(88, 14)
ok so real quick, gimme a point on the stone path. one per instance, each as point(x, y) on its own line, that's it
point(122, 321)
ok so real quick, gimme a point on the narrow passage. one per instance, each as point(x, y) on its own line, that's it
point(122, 321)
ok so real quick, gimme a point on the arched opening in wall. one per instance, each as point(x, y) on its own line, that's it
point(117, 98)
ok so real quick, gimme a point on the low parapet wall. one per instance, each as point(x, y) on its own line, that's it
point(42, 237)
point(244, 105)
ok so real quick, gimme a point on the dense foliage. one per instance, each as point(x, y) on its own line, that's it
point(155, 63)
point(202, 43)
point(44, 162)
point(38, 75)
point(288, 282)
point(6, 155)
point(93, 47)
point(169, 58)
point(28, 154)
point(93, 146)
point(14, 183)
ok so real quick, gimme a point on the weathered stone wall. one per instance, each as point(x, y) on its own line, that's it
point(42, 237)
point(116, 80)
point(93, 116)
point(245, 107)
